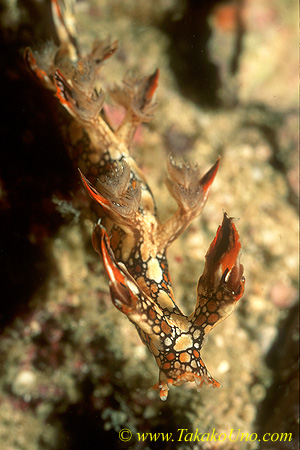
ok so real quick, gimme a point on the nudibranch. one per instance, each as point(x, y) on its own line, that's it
point(128, 235)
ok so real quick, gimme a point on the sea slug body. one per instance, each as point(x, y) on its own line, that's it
point(129, 237)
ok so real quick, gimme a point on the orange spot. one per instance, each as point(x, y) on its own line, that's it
point(164, 286)
point(170, 356)
point(165, 328)
point(202, 363)
point(213, 318)
point(215, 383)
point(151, 314)
point(200, 320)
point(165, 278)
point(162, 266)
point(184, 357)
point(166, 366)
point(225, 17)
point(154, 288)
point(138, 268)
point(211, 306)
point(196, 353)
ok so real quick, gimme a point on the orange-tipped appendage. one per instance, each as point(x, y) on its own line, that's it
point(208, 178)
point(93, 191)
